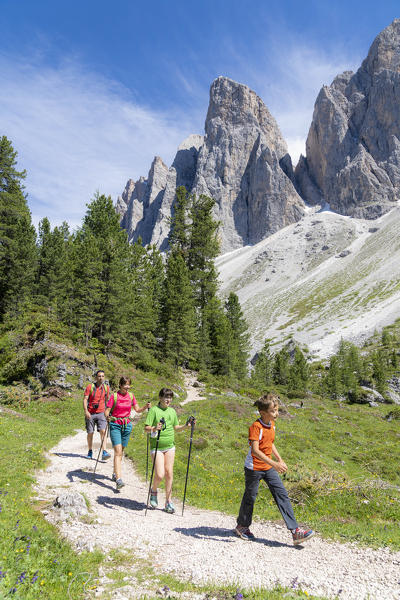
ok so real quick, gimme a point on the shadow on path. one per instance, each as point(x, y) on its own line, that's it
point(203, 533)
point(96, 478)
point(70, 455)
point(116, 502)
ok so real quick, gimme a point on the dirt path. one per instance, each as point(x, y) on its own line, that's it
point(193, 388)
point(200, 546)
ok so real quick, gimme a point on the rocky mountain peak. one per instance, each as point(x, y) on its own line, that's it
point(385, 50)
point(242, 162)
point(236, 105)
point(353, 147)
point(352, 157)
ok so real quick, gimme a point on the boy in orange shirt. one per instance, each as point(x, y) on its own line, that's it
point(259, 465)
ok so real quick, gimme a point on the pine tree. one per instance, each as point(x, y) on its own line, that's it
point(82, 310)
point(101, 226)
point(333, 379)
point(179, 233)
point(203, 249)
point(240, 337)
point(262, 374)
point(179, 319)
point(281, 367)
point(350, 365)
point(379, 370)
point(147, 285)
point(17, 234)
point(52, 274)
point(298, 371)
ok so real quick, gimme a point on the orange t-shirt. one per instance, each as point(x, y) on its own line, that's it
point(265, 434)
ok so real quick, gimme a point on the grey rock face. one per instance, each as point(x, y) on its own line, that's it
point(71, 503)
point(243, 165)
point(242, 162)
point(353, 147)
point(146, 205)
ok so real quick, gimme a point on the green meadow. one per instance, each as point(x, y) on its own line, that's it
point(343, 475)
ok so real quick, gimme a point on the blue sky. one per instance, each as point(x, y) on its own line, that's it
point(91, 91)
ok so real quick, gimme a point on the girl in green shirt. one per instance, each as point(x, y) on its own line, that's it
point(164, 465)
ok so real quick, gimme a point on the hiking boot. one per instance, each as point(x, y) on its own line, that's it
point(301, 535)
point(119, 483)
point(113, 477)
point(169, 508)
point(244, 533)
point(106, 455)
point(153, 499)
point(90, 454)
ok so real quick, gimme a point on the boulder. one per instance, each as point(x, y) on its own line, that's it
point(70, 504)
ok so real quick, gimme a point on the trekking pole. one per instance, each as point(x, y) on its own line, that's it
point(101, 447)
point(190, 420)
point(147, 453)
point(162, 420)
point(147, 458)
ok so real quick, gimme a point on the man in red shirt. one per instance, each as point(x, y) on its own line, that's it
point(94, 404)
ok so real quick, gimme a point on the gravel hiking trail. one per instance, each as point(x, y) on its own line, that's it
point(199, 547)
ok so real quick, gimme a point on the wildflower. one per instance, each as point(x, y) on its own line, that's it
point(2, 574)
point(35, 577)
point(238, 596)
point(69, 574)
point(42, 582)
point(17, 524)
point(34, 528)
point(22, 577)
point(13, 590)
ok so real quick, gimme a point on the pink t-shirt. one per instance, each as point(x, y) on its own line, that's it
point(123, 407)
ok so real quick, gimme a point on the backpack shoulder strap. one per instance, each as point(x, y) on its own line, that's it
point(114, 403)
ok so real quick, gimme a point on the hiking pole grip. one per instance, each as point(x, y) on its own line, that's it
point(192, 424)
point(162, 420)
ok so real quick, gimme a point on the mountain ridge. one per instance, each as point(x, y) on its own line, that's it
point(352, 157)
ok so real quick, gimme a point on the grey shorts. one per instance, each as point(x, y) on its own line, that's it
point(96, 420)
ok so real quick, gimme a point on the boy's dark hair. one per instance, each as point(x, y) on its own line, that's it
point(124, 380)
point(266, 401)
point(99, 371)
point(166, 393)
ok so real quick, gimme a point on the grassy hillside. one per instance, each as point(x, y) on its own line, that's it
point(343, 476)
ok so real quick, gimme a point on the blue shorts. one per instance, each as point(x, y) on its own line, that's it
point(120, 434)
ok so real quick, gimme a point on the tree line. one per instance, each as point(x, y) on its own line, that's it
point(123, 297)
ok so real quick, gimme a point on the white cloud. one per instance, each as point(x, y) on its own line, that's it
point(76, 132)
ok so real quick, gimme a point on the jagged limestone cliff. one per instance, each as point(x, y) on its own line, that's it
point(353, 147)
point(242, 162)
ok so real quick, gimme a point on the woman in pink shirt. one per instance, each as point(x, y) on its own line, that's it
point(118, 413)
